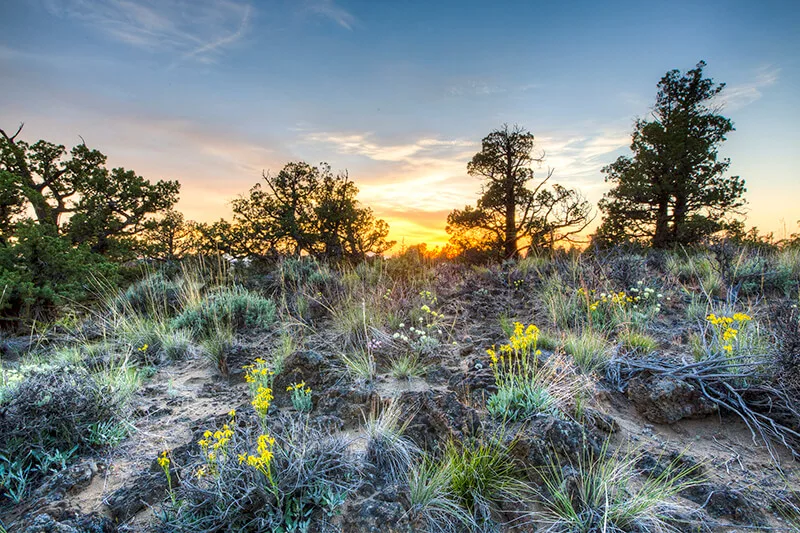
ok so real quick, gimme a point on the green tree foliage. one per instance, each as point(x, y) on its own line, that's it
point(509, 215)
point(83, 215)
point(672, 190)
point(74, 194)
point(12, 204)
point(168, 237)
point(39, 270)
point(302, 209)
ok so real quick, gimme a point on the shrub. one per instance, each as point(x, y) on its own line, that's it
point(588, 349)
point(526, 386)
point(155, 296)
point(50, 414)
point(305, 470)
point(177, 345)
point(432, 500)
point(53, 408)
point(360, 365)
point(387, 448)
point(407, 366)
point(637, 342)
point(602, 493)
point(217, 346)
point(40, 271)
point(236, 308)
point(483, 476)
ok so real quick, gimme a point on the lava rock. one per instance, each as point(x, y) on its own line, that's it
point(377, 514)
point(350, 402)
point(141, 491)
point(74, 523)
point(666, 399)
point(722, 502)
point(437, 416)
point(547, 440)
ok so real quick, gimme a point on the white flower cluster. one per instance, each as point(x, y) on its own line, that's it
point(418, 339)
point(646, 297)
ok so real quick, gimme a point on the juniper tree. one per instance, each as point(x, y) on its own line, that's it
point(672, 190)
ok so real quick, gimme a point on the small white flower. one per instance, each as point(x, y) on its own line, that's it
point(396, 336)
point(402, 325)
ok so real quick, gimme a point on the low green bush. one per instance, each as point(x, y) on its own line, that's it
point(154, 296)
point(235, 307)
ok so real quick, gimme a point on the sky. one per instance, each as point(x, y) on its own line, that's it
point(398, 93)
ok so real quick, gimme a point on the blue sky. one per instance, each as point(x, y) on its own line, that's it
point(398, 93)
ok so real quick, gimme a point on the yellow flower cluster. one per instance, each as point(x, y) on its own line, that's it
point(163, 460)
point(426, 308)
point(299, 387)
point(520, 342)
point(518, 357)
point(215, 447)
point(301, 396)
point(263, 459)
point(619, 299)
point(214, 444)
point(258, 372)
point(725, 330)
point(262, 400)
point(144, 347)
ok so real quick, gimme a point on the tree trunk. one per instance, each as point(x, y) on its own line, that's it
point(510, 251)
point(661, 236)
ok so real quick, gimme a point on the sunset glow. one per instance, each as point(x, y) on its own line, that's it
point(399, 95)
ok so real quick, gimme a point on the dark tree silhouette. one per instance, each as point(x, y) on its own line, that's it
point(510, 216)
point(77, 196)
point(672, 190)
point(304, 210)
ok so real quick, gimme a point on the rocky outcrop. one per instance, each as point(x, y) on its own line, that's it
point(666, 399)
point(436, 416)
point(546, 440)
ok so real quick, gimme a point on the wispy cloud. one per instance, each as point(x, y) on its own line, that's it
point(363, 144)
point(578, 160)
point(738, 96)
point(184, 28)
point(475, 88)
point(484, 87)
point(330, 10)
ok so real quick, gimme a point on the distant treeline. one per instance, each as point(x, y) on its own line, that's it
point(64, 216)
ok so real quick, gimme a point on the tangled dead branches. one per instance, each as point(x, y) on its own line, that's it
point(739, 385)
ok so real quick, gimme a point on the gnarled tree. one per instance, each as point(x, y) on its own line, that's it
point(306, 209)
point(510, 216)
point(672, 190)
point(75, 195)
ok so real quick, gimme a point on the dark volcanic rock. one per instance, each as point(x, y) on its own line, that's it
point(71, 479)
point(310, 366)
point(71, 523)
point(665, 399)
point(477, 383)
point(143, 490)
point(547, 440)
point(349, 402)
point(722, 502)
point(383, 513)
point(438, 416)
point(150, 486)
